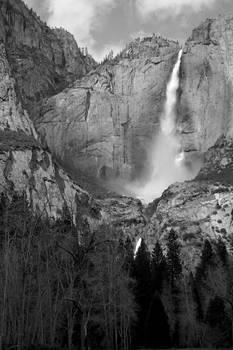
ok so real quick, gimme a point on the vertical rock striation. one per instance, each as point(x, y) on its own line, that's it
point(43, 60)
point(206, 94)
point(25, 167)
point(104, 123)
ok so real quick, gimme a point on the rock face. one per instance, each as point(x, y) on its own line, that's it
point(124, 213)
point(43, 60)
point(206, 94)
point(203, 208)
point(218, 164)
point(104, 123)
point(26, 167)
point(196, 210)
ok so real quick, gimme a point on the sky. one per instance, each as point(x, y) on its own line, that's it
point(102, 25)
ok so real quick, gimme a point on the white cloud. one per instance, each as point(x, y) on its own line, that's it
point(80, 17)
point(148, 7)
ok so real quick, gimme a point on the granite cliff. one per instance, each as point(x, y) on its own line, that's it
point(28, 48)
point(101, 126)
point(112, 113)
point(26, 167)
point(205, 101)
point(43, 60)
point(203, 208)
point(104, 123)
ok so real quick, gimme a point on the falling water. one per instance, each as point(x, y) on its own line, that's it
point(168, 163)
point(138, 245)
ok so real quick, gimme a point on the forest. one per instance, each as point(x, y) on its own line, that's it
point(66, 287)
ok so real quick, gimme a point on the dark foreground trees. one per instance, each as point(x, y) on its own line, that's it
point(177, 308)
point(55, 292)
point(58, 293)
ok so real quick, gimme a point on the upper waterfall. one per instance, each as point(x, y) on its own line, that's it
point(167, 158)
point(168, 119)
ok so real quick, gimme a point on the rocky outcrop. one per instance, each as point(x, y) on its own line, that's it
point(197, 211)
point(43, 60)
point(76, 63)
point(104, 123)
point(49, 190)
point(206, 94)
point(218, 162)
point(125, 214)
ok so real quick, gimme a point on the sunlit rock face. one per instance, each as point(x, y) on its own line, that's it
point(43, 60)
point(206, 96)
point(48, 189)
point(105, 122)
point(196, 210)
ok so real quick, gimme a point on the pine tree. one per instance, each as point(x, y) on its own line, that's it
point(196, 296)
point(157, 330)
point(158, 268)
point(219, 324)
point(222, 252)
point(142, 275)
point(128, 256)
point(174, 266)
point(215, 312)
point(142, 271)
point(207, 260)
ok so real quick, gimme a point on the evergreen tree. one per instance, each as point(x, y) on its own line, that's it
point(128, 256)
point(222, 252)
point(199, 283)
point(174, 266)
point(157, 330)
point(174, 272)
point(142, 275)
point(215, 312)
point(196, 296)
point(176, 335)
point(220, 326)
point(207, 260)
point(158, 268)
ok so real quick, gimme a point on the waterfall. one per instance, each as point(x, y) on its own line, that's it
point(168, 120)
point(138, 245)
point(167, 160)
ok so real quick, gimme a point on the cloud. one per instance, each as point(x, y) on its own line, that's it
point(105, 24)
point(149, 7)
point(80, 17)
point(104, 50)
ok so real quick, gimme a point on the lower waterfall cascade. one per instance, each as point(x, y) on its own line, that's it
point(167, 159)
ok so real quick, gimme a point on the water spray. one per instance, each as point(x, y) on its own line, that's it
point(167, 159)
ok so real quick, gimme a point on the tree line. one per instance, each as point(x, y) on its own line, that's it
point(66, 287)
point(180, 308)
point(57, 293)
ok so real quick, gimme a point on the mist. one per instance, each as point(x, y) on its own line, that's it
point(168, 162)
